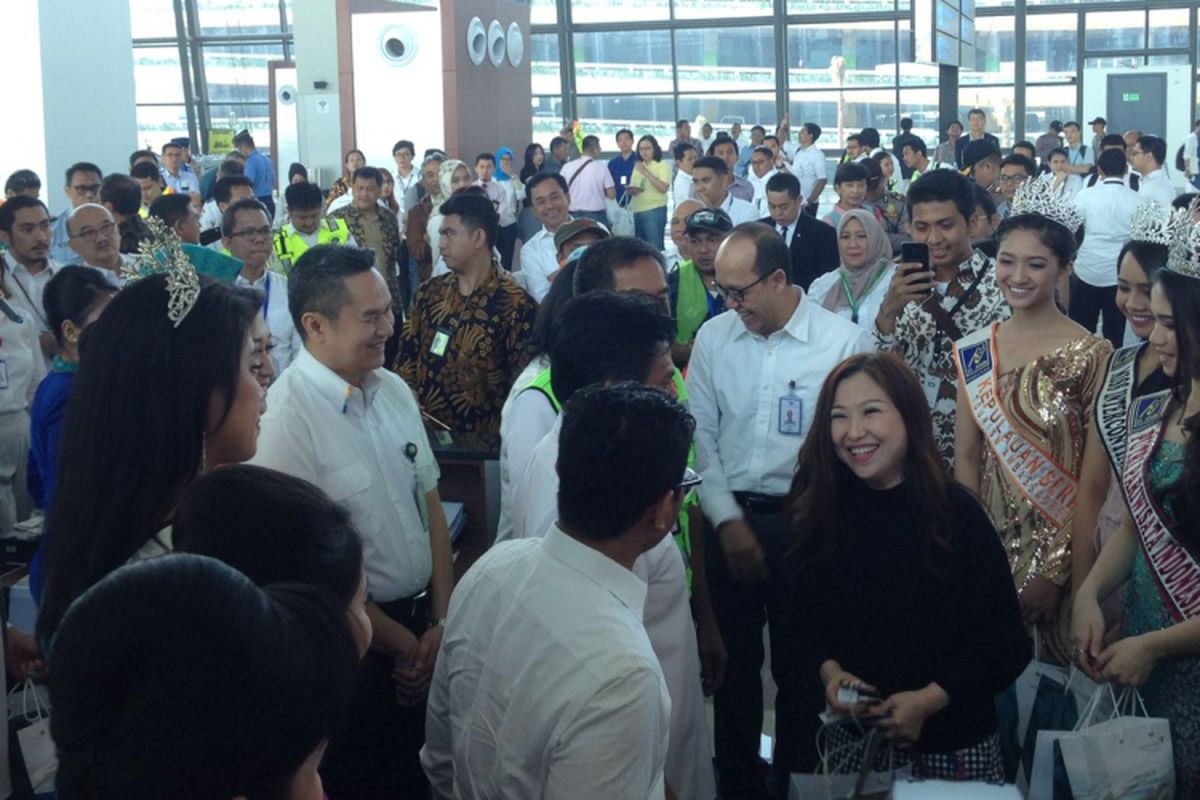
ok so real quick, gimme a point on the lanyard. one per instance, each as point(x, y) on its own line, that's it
point(850, 298)
point(267, 300)
point(37, 311)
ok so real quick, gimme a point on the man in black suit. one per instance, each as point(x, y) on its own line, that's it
point(812, 243)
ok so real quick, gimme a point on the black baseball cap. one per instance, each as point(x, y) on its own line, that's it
point(712, 220)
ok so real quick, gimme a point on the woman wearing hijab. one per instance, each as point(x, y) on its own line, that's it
point(452, 176)
point(855, 290)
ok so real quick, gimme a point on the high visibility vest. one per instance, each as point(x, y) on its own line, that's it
point(289, 245)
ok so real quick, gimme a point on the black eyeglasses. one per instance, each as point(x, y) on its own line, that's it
point(250, 234)
point(739, 295)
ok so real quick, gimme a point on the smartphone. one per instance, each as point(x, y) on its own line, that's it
point(915, 252)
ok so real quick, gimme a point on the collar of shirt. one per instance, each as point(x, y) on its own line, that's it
point(1155, 174)
point(245, 283)
point(797, 325)
point(546, 232)
point(594, 565)
point(331, 386)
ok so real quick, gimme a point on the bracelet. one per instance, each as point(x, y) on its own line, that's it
point(438, 623)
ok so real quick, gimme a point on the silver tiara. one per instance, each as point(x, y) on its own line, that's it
point(162, 253)
point(1153, 223)
point(1183, 257)
point(1038, 197)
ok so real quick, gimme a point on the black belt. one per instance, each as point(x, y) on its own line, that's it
point(407, 610)
point(757, 503)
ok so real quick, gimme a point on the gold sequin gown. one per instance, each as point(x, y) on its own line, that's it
point(1050, 400)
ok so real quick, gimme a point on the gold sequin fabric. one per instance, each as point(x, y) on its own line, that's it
point(1049, 401)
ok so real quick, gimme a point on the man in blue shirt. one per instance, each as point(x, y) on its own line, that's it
point(175, 171)
point(83, 186)
point(622, 166)
point(258, 169)
point(757, 134)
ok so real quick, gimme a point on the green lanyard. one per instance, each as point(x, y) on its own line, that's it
point(850, 298)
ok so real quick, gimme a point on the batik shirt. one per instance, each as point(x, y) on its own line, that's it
point(929, 350)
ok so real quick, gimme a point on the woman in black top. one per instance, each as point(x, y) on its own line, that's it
point(903, 590)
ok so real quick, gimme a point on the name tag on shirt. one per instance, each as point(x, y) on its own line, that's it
point(441, 339)
point(790, 416)
point(3, 374)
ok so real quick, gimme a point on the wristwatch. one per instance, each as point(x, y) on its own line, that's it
point(438, 623)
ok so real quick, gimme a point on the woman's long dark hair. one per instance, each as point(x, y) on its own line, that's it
point(179, 678)
point(1183, 496)
point(530, 169)
point(133, 436)
point(550, 311)
point(820, 497)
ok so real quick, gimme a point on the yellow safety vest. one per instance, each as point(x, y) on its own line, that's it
point(289, 245)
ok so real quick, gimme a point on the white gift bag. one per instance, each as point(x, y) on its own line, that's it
point(1128, 756)
point(37, 748)
point(838, 779)
point(620, 218)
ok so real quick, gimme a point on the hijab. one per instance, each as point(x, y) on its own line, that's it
point(879, 249)
point(501, 175)
point(445, 177)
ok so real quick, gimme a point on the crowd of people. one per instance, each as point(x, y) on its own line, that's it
point(938, 433)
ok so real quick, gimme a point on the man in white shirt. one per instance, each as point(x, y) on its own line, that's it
point(546, 685)
point(246, 233)
point(1147, 156)
point(1107, 208)
point(407, 176)
point(338, 419)
point(762, 167)
point(753, 382)
point(1080, 157)
point(685, 158)
point(25, 230)
point(809, 166)
point(589, 183)
point(83, 186)
point(550, 202)
point(607, 338)
point(709, 175)
point(1191, 155)
point(92, 233)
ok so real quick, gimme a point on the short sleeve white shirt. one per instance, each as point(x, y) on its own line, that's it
point(367, 449)
point(23, 365)
point(1106, 208)
point(539, 261)
point(809, 167)
point(1157, 187)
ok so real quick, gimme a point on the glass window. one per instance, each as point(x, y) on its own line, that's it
point(219, 17)
point(544, 64)
point(729, 59)
point(606, 11)
point(912, 73)
point(1115, 30)
point(838, 6)
point(237, 73)
point(840, 113)
point(626, 61)
point(722, 110)
point(1050, 47)
point(921, 106)
point(1172, 58)
point(1114, 62)
point(719, 9)
point(997, 102)
point(603, 116)
point(995, 51)
point(1000, 4)
point(1169, 28)
point(1044, 104)
point(152, 18)
point(157, 75)
point(253, 117)
point(543, 12)
point(159, 124)
point(868, 50)
point(547, 118)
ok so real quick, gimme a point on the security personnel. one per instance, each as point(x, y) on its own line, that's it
point(308, 225)
point(692, 287)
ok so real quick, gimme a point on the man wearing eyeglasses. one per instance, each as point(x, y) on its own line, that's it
point(1015, 169)
point(246, 233)
point(83, 186)
point(753, 382)
point(92, 233)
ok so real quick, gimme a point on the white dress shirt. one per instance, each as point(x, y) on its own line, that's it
point(1106, 208)
point(274, 288)
point(1157, 187)
point(352, 443)
point(809, 168)
point(668, 620)
point(210, 216)
point(868, 306)
point(21, 364)
point(539, 260)
point(528, 419)
point(681, 188)
point(27, 293)
point(546, 685)
point(739, 210)
point(760, 190)
point(1191, 146)
point(735, 382)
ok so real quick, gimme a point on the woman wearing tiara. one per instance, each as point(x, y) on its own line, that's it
point(1026, 389)
point(1157, 548)
point(166, 388)
point(1133, 372)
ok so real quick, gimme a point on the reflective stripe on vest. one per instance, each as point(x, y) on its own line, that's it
point(289, 246)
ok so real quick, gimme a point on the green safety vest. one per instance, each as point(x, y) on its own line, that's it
point(289, 245)
point(683, 539)
point(691, 304)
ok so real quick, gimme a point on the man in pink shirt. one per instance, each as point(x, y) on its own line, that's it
point(589, 182)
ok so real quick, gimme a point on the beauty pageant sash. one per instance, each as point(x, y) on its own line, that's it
point(1111, 414)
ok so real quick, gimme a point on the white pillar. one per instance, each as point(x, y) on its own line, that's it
point(318, 110)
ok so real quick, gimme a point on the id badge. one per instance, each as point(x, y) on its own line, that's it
point(441, 339)
point(3, 374)
point(790, 414)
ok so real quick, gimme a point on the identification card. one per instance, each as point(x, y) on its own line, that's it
point(3, 374)
point(441, 339)
point(790, 416)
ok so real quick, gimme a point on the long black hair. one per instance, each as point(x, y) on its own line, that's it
point(134, 432)
point(550, 311)
point(1183, 496)
point(73, 294)
point(180, 678)
point(529, 169)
